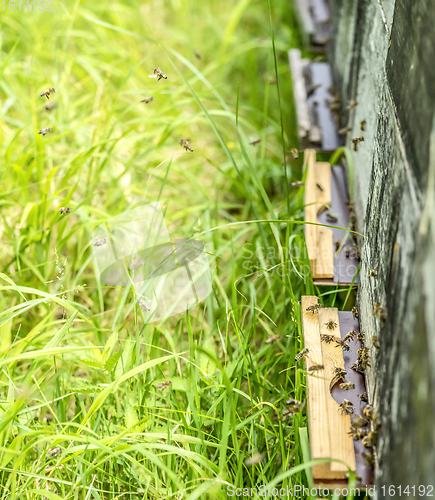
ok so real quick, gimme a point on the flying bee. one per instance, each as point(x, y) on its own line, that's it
point(50, 106)
point(293, 402)
point(312, 89)
point(64, 210)
point(355, 312)
point(380, 312)
point(352, 104)
point(356, 141)
point(370, 440)
point(375, 342)
point(273, 339)
point(369, 458)
point(162, 385)
point(362, 125)
point(185, 144)
point(47, 93)
point(295, 153)
point(331, 325)
point(100, 242)
point(54, 452)
point(297, 184)
point(302, 354)
point(346, 407)
point(255, 459)
point(315, 368)
point(344, 131)
point(44, 131)
point(314, 308)
point(349, 336)
point(254, 142)
point(291, 411)
point(319, 187)
point(373, 273)
point(347, 386)
point(331, 218)
point(342, 344)
point(147, 100)
point(158, 73)
point(363, 397)
point(143, 305)
point(326, 338)
point(197, 54)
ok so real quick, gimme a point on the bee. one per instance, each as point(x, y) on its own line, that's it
point(143, 305)
point(341, 372)
point(357, 367)
point(50, 106)
point(319, 187)
point(54, 452)
point(380, 312)
point(360, 337)
point(185, 144)
point(273, 339)
point(370, 413)
point(255, 142)
point(356, 252)
point(298, 184)
point(197, 54)
point(373, 273)
point(293, 402)
point(349, 336)
point(44, 131)
point(47, 92)
point(342, 344)
point(302, 354)
point(337, 245)
point(331, 325)
point(147, 100)
point(370, 440)
point(347, 386)
point(363, 353)
point(363, 397)
point(358, 433)
point(272, 80)
point(64, 210)
point(362, 125)
point(351, 105)
point(344, 131)
point(291, 411)
point(162, 385)
point(355, 312)
point(326, 338)
point(314, 308)
point(331, 218)
point(358, 421)
point(255, 459)
point(158, 73)
point(356, 141)
point(295, 153)
point(100, 242)
point(375, 342)
point(346, 407)
point(369, 458)
point(347, 252)
point(315, 368)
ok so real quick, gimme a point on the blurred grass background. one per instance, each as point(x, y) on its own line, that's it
point(81, 415)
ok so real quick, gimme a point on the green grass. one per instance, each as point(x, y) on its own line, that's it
point(80, 414)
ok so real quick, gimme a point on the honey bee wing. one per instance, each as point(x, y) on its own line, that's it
point(152, 76)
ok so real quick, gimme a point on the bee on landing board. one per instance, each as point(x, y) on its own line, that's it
point(47, 93)
point(158, 73)
point(147, 100)
point(64, 210)
point(185, 144)
point(314, 308)
point(346, 407)
point(44, 131)
point(327, 338)
point(331, 325)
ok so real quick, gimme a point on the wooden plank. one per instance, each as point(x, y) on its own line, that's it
point(319, 239)
point(329, 429)
point(339, 425)
point(297, 65)
point(317, 411)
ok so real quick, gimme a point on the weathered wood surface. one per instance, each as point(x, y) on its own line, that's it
point(381, 56)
